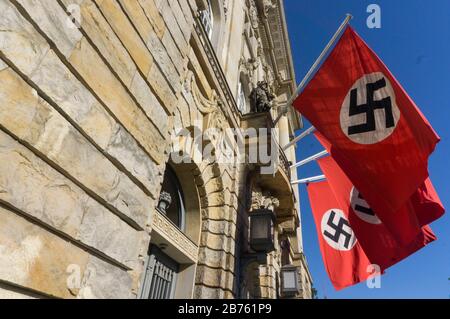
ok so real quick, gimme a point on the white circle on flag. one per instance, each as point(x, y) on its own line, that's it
point(362, 209)
point(369, 113)
point(336, 230)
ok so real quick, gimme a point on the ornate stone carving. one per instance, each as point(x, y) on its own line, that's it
point(263, 199)
point(204, 105)
point(248, 66)
point(253, 14)
point(268, 6)
point(174, 236)
point(261, 98)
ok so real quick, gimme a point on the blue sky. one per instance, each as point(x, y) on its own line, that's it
point(414, 42)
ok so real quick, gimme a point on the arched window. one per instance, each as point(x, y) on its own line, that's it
point(171, 200)
point(207, 18)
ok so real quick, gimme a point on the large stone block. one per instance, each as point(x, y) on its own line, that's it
point(30, 185)
point(111, 92)
point(164, 62)
point(216, 259)
point(180, 36)
point(102, 81)
point(32, 120)
point(48, 15)
point(220, 227)
point(152, 13)
point(217, 242)
point(109, 45)
point(214, 277)
point(126, 33)
point(34, 258)
point(30, 53)
point(105, 281)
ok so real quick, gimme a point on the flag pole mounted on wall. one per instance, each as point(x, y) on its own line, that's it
point(308, 76)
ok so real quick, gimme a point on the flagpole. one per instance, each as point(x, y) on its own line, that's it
point(309, 180)
point(300, 137)
point(315, 65)
point(309, 159)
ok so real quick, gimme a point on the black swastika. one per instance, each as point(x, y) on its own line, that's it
point(363, 209)
point(338, 230)
point(369, 108)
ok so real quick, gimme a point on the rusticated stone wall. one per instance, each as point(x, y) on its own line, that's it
point(85, 120)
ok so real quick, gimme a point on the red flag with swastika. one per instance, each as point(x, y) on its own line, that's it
point(344, 260)
point(377, 134)
point(375, 239)
point(421, 209)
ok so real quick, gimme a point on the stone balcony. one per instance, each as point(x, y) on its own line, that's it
point(275, 177)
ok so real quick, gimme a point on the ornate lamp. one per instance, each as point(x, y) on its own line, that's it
point(262, 230)
point(289, 280)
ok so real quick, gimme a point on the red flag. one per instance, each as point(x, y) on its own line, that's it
point(427, 204)
point(377, 134)
point(345, 261)
point(424, 203)
point(380, 246)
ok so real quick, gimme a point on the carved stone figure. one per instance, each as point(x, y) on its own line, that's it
point(261, 98)
point(263, 199)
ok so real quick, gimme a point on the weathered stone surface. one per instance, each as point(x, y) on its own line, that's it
point(214, 277)
point(162, 89)
point(95, 72)
point(127, 34)
point(104, 281)
point(179, 62)
point(101, 34)
point(34, 258)
point(202, 292)
point(49, 17)
point(15, 38)
point(152, 12)
point(152, 107)
point(53, 77)
point(181, 37)
point(187, 11)
point(120, 103)
point(32, 186)
point(163, 60)
point(217, 242)
point(9, 293)
point(32, 120)
point(216, 259)
point(221, 227)
point(109, 45)
point(219, 213)
point(185, 27)
point(2, 65)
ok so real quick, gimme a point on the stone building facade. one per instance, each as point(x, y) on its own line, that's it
point(105, 189)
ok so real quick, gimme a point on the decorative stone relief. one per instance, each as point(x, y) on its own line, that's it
point(248, 66)
point(174, 236)
point(253, 13)
point(268, 6)
point(263, 199)
point(204, 105)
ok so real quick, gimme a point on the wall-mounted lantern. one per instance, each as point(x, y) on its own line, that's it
point(164, 202)
point(289, 280)
point(262, 230)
